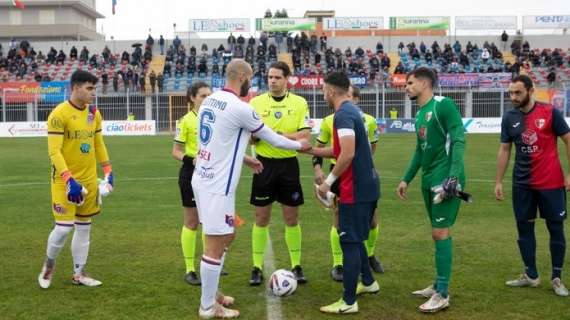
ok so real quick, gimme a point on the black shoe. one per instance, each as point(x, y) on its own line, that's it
point(336, 273)
point(375, 264)
point(256, 277)
point(298, 272)
point(224, 273)
point(192, 278)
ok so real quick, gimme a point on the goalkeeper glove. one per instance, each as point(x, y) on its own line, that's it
point(75, 192)
point(108, 172)
point(450, 187)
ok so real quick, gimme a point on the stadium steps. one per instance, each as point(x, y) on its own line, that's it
point(394, 61)
point(287, 58)
point(157, 65)
point(508, 57)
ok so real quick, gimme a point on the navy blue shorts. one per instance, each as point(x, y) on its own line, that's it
point(354, 221)
point(551, 203)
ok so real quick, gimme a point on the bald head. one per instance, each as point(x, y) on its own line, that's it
point(238, 68)
point(239, 75)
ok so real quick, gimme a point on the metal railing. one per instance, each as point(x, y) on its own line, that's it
point(166, 108)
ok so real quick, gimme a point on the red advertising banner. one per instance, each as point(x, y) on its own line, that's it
point(398, 80)
point(20, 92)
point(306, 81)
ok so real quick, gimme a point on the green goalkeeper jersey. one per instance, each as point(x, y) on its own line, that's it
point(440, 143)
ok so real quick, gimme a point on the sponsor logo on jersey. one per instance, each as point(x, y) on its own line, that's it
point(204, 154)
point(85, 148)
point(58, 208)
point(205, 173)
point(80, 134)
point(229, 220)
point(428, 116)
point(539, 123)
point(529, 137)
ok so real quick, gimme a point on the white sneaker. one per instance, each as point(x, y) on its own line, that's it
point(426, 293)
point(435, 303)
point(85, 280)
point(218, 311)
point(524, 281)
point(371, 289)
point(559, 287)
point(44, 278)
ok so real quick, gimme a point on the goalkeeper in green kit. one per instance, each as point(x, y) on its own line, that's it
point(439, 153)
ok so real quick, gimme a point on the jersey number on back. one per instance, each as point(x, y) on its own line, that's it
point(206, 119)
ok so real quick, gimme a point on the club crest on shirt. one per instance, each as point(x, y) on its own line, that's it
point(529, 137)
point(229, 220)
point(539, 123)
point(278, 115)
point(428, 116)
point(90, 117)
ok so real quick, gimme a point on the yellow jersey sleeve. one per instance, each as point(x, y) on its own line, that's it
point(372, 127)
point(325, 133)
point(100, 148)
point(56, 129)
point(305, 116)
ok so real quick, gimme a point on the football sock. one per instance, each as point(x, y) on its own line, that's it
point(56, 241)
point(352, 265)
point(365, 271)
point(557, 246)
point(259, 237)
point(293, 240)
point(443, 260)
point(210, 273)
point(80, 246)
point(527, 247)
point(371, 242)
point(188, 240)
point(335, 247)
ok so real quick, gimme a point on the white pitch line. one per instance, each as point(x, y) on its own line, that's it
point(273, 302)
point(39, 183)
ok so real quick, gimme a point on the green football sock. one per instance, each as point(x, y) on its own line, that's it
point(293, 240)
point(371, 242)
point(335, 247)
point(259, 237)
point(188, 240)
point(443, 258)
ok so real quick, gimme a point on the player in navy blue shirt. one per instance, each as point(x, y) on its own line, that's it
point(359, 191)
point(538, 179)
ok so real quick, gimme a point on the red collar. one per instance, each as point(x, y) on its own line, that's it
point(226, 89)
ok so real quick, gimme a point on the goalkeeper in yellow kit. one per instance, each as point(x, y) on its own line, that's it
point(75, 145)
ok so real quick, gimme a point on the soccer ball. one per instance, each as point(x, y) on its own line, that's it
point(282, 283)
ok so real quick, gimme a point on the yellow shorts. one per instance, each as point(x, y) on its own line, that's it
point(63, 211)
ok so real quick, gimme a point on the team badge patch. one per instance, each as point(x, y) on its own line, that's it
point(58, 208)
point(85, 148)
point(295, 196)
point(278, 115)
point(422, 133)
point(529, 137)
point(229, 220)
point(540, 123)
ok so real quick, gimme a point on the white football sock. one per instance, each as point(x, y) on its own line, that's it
point(210, 270)
point(80, 246)
point(56, 241)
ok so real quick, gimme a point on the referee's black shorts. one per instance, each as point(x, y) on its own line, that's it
point(279, 181)
point(185, 185)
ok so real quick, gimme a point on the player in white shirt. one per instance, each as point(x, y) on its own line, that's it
point(226, 125)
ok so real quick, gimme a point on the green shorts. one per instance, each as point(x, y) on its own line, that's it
point(443, 214)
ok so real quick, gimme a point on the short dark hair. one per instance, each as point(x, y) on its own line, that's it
point(80, 77)
point(193, 90)
point(355, 91)
point(281, 66)
point(424, 73)
point(526, 80)
point(338, 79)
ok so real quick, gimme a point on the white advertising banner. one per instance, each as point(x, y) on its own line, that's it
point(110, 128)
point(353, 23)
point(546, 22)
point(486, 23)
point(219, 25)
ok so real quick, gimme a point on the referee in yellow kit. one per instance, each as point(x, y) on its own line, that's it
point(287, 114)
